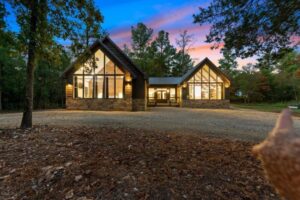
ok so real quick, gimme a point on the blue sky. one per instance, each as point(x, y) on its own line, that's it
point(173, 16)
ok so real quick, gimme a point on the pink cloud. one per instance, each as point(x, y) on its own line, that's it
point(170, 17)
point(158, 22)
point(199, 50)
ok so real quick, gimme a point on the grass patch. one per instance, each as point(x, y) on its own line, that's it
point(267, 107)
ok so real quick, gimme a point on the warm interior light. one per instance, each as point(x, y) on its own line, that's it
point(298, 74)
point(198, 92)
point(128, 85)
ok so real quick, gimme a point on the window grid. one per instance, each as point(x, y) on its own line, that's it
point(94, 76)
point(209, 83)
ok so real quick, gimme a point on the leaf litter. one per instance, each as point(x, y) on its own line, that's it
point(122, 163)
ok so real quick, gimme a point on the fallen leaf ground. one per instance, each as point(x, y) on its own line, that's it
point(106, 163)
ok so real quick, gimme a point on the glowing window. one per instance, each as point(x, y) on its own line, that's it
point(98, 77)
point(205, 84)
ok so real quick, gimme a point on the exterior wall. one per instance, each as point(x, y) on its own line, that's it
point(139, 104)
point(179, 95)
point(206, 103)
point(99, 104)
point(125, 104)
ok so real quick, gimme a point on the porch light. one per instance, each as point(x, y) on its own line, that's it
point(69, 86)
point(128, 78)
point(227, 85)
point(184, 85)
point(69, 90)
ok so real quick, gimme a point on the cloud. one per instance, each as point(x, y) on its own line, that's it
point(170, 17)
point(160, 21)
point(175, 22)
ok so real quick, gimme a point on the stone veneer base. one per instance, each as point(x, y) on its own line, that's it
point(99, 104)
point(139, 105)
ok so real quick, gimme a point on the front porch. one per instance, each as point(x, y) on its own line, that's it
point(163, 96)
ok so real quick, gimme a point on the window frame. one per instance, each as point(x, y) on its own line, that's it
point(95, 79)
point(192, 83)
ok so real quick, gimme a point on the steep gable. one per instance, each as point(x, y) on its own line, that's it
point(112, 51)
point(198, 67)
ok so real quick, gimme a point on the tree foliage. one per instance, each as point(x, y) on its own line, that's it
point(42, 23)
point(164, 54)
point(258, 83)
point(89, 29)
point(183, 61)
point(251, 27)
point(228, 63)
point(158, 57)
point(141, 37)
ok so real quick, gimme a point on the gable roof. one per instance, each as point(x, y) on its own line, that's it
point(111, 50)
point(190, 73)
point(164, 80)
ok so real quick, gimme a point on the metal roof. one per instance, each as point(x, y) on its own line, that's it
point(164, 80)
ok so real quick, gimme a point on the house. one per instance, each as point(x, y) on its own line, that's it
point(104, 78)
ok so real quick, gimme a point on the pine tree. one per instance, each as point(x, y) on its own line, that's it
point(182, 60)
point(164, 54)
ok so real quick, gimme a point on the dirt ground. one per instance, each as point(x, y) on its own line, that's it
point(241, 124)
point(124, 163)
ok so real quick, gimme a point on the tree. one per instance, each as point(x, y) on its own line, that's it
point(89, 30)
point(288, 67)
point(2, 26)
point(164, 54)
point(252, 84)
point(228, 63)
point(183, 61)
point(41, 23)
point(141, 37)
point(251, 27)
point(126, 50)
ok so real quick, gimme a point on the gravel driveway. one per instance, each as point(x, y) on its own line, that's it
point(236, 123)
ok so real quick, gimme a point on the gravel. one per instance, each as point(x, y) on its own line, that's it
point(239, 124)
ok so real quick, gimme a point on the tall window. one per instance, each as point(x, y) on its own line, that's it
point(99, 78)
point(206, 84)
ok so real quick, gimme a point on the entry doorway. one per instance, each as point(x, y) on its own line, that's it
point(162, 96)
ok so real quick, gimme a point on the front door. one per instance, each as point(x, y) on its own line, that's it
point(162, 96)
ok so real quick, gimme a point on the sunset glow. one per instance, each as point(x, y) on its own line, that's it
point(172, 17)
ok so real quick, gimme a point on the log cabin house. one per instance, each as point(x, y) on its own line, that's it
point(104, 78)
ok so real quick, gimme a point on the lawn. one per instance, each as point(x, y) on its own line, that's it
point(125, 163)
point(267, 107)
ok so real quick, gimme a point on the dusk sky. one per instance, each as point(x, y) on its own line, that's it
point(172, 16)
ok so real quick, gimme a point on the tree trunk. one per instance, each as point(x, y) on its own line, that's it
point(28, 106)
point(1, 83)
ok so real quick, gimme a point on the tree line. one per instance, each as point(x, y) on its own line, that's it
point(265, 81)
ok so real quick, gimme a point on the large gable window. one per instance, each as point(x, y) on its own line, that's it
point(206, 84)
point(99, 78)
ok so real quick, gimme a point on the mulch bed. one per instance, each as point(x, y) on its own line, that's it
point(106, 163)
